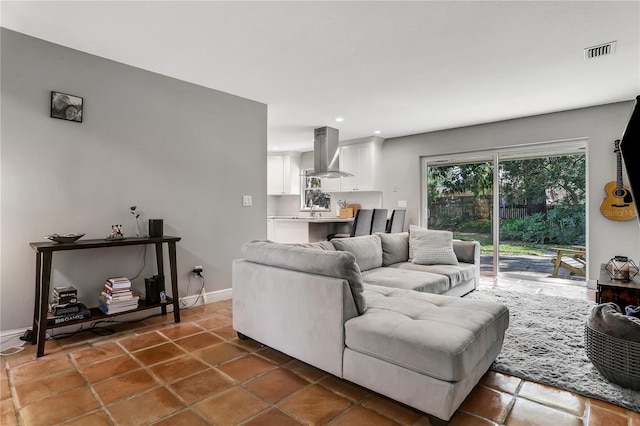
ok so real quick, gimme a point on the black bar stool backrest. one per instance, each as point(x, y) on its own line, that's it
point(396, 224)
point(362, 223)
point(379, 223)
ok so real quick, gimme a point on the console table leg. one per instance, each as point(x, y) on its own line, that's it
point(174, 281)
point(44, 298)
point(36, 301)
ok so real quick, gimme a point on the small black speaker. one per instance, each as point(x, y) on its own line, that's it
point(151, 290)
point(155, 228)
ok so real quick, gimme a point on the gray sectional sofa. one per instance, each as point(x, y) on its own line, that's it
point(360, 309)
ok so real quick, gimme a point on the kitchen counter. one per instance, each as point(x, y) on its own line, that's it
point(301, 229)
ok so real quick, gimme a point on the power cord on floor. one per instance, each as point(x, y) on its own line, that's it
point(201, 294)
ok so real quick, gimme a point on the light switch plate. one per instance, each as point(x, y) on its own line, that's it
point(247, 200)
point(402, 204)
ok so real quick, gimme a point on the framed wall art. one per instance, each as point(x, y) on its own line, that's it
point(66, 107)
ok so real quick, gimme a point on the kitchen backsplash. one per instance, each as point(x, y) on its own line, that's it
point(289, 205)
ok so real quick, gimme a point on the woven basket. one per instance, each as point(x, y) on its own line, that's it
point(618, 360)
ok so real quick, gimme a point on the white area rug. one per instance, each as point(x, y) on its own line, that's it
point(545, 344)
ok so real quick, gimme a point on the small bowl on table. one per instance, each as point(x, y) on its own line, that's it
point(66, 238)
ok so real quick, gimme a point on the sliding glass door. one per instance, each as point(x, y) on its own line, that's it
point(523, 205)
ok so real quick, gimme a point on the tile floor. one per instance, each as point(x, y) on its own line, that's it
point(198, 373)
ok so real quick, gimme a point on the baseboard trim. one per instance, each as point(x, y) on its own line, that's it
point(210, 297)
point(7, 334)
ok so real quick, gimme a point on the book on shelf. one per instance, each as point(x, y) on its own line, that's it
point(119, 282)
point(109, 308)
point(67, 291)
point(63, 309)
point(83, 313)
point(117, 296)
point(110, 289)
point(64, 300)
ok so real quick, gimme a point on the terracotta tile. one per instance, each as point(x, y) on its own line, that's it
point(180, 330)
point(213, 321)
point(60, 407)
point(608, 406)
point(487, 403)
point(464, 419)
point(554, 397)
point(142, 341)
point(5, 391)
point(124, 385)
point(599, 416)
point(200, 386)
point(529, 413)
point(226, 332)
point(145, 408)
point(39, 389)
point(275, 356)
point(113, 367)
point(217, 354)
point(392, 409)
point(500, 382)
point(249, 345)
point(157, 354)
point(315, 405)
point(276, 384)
point(230, 407)
point(272, 417)
point(197, 341)
point(8, 415)
point(306, 371)
point(41, 368)
point(344, 388)
point(96, 353)
point(244, 368)
point(360, 416)
point(98, 418)
point(178, 368)
point(183, 418)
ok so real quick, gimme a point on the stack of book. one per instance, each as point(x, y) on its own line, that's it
point(117, 296)
point(64, 306)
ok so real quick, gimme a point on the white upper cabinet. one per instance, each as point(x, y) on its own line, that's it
point(283, 173)
point(363, 160)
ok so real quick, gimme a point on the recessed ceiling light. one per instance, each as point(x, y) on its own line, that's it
point(339, 119)
point(376, 132)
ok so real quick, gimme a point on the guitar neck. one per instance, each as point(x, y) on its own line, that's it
point(619, 167)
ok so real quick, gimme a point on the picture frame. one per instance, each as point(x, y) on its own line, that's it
point(66, 107)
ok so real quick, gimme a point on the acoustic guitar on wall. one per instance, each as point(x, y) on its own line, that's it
point(619, 204)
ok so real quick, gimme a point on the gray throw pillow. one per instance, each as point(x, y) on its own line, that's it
point(395, 247)
point(367, 249)
point(431, 247)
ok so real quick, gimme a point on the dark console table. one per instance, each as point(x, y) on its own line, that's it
point(620, 292)
point(44, 255)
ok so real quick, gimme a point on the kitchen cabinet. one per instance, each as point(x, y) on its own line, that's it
point(283, 173)
point(271, 231)
point(363, 159)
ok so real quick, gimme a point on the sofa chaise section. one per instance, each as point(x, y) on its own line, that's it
point(424, 350)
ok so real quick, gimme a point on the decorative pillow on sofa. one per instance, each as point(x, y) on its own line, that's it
point(395, 247)
point(367, 249)
point(430, 247)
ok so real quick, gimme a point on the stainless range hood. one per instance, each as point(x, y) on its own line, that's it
point(326, 154)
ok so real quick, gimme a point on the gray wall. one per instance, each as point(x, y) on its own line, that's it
point(601, 125)
point(178, 151)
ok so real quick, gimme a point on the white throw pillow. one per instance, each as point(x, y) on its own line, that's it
point(431, 247)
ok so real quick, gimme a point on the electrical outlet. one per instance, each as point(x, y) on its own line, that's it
point(197, 269)
point(247, 200)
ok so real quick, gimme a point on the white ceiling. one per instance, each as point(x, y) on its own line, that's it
point(394, 66)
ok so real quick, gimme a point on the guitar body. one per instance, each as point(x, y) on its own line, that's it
point(619, 204)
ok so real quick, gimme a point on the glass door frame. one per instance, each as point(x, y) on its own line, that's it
point(495, 155)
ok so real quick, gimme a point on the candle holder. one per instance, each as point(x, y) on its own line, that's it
point(621, 268)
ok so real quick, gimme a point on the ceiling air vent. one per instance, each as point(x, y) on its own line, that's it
point(600, 50)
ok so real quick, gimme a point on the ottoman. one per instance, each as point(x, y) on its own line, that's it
point(425, 350)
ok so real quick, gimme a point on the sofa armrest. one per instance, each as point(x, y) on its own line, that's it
point(298, 313)
point(468, 252)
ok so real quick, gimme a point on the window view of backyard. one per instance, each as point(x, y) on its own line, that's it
point(541, 212)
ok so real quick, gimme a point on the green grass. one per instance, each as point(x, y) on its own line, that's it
point(508, 248)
